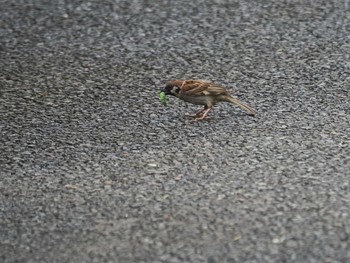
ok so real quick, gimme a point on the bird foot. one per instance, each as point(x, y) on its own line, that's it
point(202, 118)
point(203, 115)
point(195, 114)
point(191, 114)
point(200, 114)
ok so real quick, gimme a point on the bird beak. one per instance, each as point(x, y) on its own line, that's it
point(166, 92)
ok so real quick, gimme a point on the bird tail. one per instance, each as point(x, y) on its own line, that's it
point(241, 104)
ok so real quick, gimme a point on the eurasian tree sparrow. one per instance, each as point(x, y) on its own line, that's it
point(202, 92)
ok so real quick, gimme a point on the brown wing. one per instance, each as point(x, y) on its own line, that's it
point(200, 88)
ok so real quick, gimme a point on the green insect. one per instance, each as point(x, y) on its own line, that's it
point(163, 98)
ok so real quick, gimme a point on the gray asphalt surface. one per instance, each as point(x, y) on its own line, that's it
point(95, 169)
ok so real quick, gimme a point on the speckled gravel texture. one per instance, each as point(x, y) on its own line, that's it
point(95, 169)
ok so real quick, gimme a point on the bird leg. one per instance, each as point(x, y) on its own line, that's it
point(196, 113)
point(204, 115)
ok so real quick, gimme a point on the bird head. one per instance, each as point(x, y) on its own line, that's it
point(172, 88)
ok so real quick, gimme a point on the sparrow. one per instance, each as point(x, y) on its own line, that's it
point(201, 92)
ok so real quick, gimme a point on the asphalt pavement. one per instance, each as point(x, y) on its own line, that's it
point(95, 169)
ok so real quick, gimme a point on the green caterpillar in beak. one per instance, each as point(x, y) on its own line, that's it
point(163, 99)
